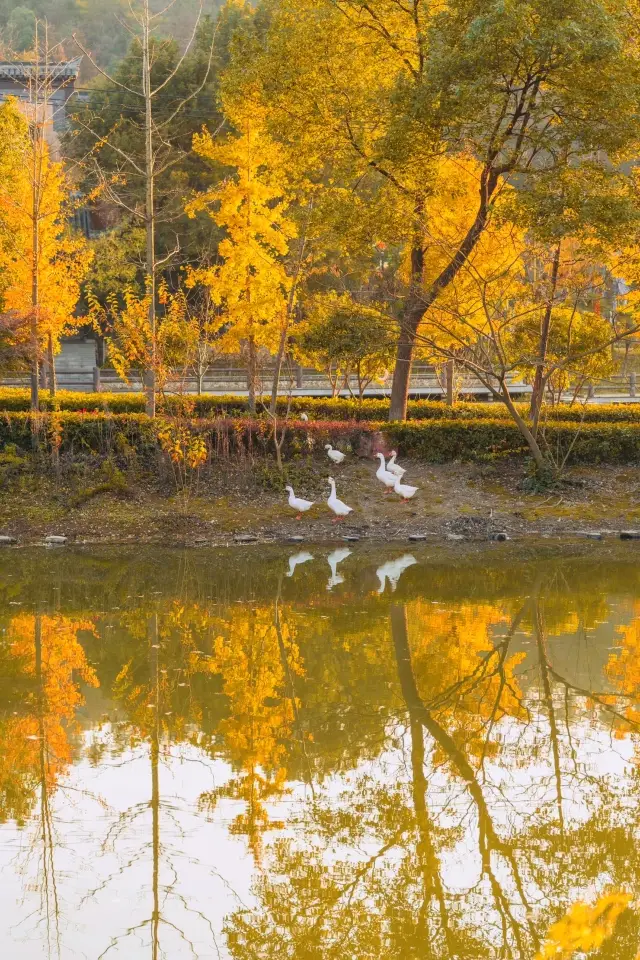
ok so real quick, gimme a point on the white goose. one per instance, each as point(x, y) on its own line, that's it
point(394, 467)
point(383, 474)
point(405, 490)
point(296, 559)
point(297, 503)
point(336, 455)
point(304, 417)
point(333, 560)
point(393, 570)
point(337, 506)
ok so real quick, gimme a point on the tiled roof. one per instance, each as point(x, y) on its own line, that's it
point(24, 69)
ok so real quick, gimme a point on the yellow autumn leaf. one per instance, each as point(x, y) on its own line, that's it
point(584, 927)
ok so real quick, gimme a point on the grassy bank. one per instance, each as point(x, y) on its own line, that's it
point(115, 477)
point(101, 503)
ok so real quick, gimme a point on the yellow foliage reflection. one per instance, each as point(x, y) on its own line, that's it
point(47, 662)
point(623, 670)
point(584, 927)
point(256, 655)
point(462, 669)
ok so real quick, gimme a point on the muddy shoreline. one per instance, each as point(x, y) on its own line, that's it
point(456, 504)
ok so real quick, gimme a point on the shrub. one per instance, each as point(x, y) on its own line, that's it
point(78, 432)
point(116, 434)
point(445, 440)
point(449, 439)
point(16, 398)
point(317, 408)
point(436, 441)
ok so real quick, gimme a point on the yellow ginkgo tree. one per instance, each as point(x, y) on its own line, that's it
point(42, 263)
point(249, 283)
point(165, 348)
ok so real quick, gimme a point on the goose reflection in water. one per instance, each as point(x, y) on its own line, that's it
point(296, 559)
point(392, 570)
point(333, 560)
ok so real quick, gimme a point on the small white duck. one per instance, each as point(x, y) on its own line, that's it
point(405, 490)
point(336, 455)
point(297, 503)
point(337, 506)
point(394, 467)
point(333, 560)
point(392, 570)
point(304, 416)
point(384, 476)
point(296, 559)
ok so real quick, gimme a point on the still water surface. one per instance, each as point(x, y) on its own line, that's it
point(315, 753)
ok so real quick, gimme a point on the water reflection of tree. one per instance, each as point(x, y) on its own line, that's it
point(45, 662)
point(418, 711)
point(367, 877)
point(155, 687)
point(258, 659)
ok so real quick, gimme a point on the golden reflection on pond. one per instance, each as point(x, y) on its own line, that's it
point(251, 756)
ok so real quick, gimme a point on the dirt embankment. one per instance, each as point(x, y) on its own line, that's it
point(455, 501)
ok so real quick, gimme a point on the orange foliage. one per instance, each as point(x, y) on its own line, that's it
point(454, 650)
point(35, 197)
point(584, 928)
point(254, 664)
point(36, 743)
point(623, 667)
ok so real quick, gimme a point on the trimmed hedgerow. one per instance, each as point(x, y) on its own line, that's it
point(317, 408)
point(126, 433)
point(439, 441)
point(80, 432)
point(433, 440)
point(446, 440)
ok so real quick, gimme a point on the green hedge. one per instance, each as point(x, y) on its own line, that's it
point(446, 440)
point(81, 432)
point(124, 433)
point(319, 408)
point(433, 440)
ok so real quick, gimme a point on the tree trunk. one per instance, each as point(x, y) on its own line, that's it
point(548, 702)
point(252, 374)
point(53, 386)
point(427, 853)
point(154, 751)
point(545, 330)
point(419, 300)
point(35, 385)
point(278, 368)
point(278, 445)
point(449, 377)
point(406, 341)
point(531, 439)
point(489, 841)
point(35, 291)
point(150, 226)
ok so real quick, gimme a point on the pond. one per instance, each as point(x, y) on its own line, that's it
point(319, 752)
